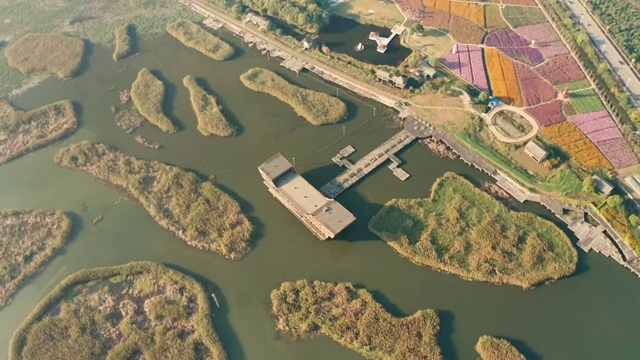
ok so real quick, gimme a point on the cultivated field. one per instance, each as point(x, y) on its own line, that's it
point(503, 77)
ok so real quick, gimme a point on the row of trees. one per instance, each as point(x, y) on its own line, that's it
point(622, 18)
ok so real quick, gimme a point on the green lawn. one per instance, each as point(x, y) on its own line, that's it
point(586, 101)
point(575, 85)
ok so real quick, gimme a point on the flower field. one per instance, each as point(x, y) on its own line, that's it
point(540, 33)
point(550, 50)
point(504, 80)
point(473, 12)
point(460, 29)
point(469, 64)
point(574, 85)
point(575, 143)
point(514, 46)
point(548, 114)
point(518, 16)
point(586, 101)
point(520, 2)
point(600, 128)
point(560, 69)
point(493, 19)
point(535, 90)
point(413, 9)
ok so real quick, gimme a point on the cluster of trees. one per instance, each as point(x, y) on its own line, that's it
point(621, 16)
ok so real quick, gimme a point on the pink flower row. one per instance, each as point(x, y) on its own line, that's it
point(468, 62)
point(561, 69)
point(540, 33)
point(548, 114)
point(618, 152)
point(504, 38)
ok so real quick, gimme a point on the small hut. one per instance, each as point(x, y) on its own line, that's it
point(536, 151)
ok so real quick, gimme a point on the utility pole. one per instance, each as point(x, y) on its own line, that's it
point(344, 130)
point(294, 161)
point(374, 112)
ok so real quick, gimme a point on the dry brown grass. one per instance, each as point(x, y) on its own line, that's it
point(490, 348)
point(195, 37)
point(208, 112)
point(354, 319)
point(57, 54)
point(22, 132)
point(462, 230)
point(124, 42)
point(193, 209)
point(28, 240)
point(147, 93)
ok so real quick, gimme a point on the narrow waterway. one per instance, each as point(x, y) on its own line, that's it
point(592, 315)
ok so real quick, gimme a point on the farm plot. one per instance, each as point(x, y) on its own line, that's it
point(460, 29)
point(493, 20)
point(552, 49)
point(618, 152)
point(504, 81)
point(560, 69)
point(586, 101)
point(518, 16)
point(548, 114)
point(574, 85)
point(413, 9)
point(575, 143)
point(514, 46)
point(540, 33)
point(520, 2)
point(468, 63)
point(535, 90)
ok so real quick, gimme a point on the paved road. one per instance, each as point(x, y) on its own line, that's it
point(619, 64)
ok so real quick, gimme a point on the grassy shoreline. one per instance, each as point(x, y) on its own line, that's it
point(316, 107)
point(57, 54)
point(491, 348)
point(28, 240)
point(147, 93)
point(195, 210)
point(464, 231)
point(124, 42)
point(211, 121)
point(354, 319)
point(23, 132)
point(116, 312)
point(193, 36)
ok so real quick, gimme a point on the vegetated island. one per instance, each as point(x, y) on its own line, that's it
point(195, 210)
point(28, 240)
point(57, 54)
point(22, 132)
point(354, 319)
point(316, 107)
point(147, 93)
point(211, 121)
point(124, 42)
point(490, 348)
point(193, 36)
point(462, 230)
point(132, 311)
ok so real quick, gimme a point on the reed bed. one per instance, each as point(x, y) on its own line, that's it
point(211, 121)
point(147, 93)
point(57, 54)
point(195, 210)
point(316, 107)
point(491, 348)
point(464, 231)
point(353, 318)
point(197, 38)
point(124, 42)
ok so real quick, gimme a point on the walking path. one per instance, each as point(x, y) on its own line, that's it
point(488, 118)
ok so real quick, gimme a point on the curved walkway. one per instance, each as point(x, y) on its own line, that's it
point(489, 120)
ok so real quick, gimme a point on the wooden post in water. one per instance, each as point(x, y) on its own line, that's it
point(215, 299)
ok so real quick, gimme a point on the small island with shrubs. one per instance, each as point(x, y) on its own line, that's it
point(28, 240)
point(211, 121)
point(194, 209)
point(124, 42)
point(193, 36)
point(491, 348)
point(354, 319)
point(316, 107)
point(22, 132)
point(147, 93)
point(57, 54)
point(462, 230)
point(140, 310)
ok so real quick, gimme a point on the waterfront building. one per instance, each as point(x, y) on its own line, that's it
point(325, 217)
point(307, 42)
point(603, 187)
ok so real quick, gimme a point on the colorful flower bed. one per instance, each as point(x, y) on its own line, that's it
point(504, 81)
point(535, 90)
point(518, 16)
point(560, 69)
point(469, 64)
point(493, 19)
point(575, 143)
point(413, 9)
point(550, 50)
point(514, 46)
point(618, 152)
point(473, 12)
point(460, 29)
point(548, 114)
point(586, 101)
point(540, 33)
point(520, 2)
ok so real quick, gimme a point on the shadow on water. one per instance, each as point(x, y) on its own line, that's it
point(221, 323)
point(390, 307)
point(79, 111)
point(445, 335)
point(89, 49)
point(524, 349)
point(135, 41)
point(233, 120)
point(169, 99)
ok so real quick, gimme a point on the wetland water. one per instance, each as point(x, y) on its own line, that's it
point(592, 315)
